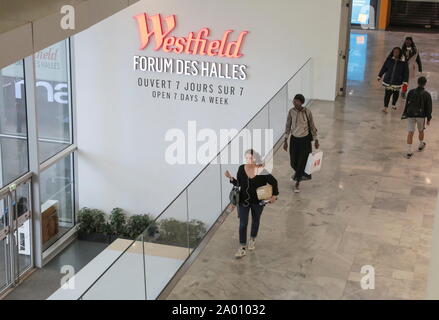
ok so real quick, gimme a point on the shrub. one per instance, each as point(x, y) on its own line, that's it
point(91, 221)
point(174, 232)
point(137, 224)
point(118, 222)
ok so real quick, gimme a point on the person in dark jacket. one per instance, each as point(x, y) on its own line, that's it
point(395, 72)
point(250, 177)
point(418, 107)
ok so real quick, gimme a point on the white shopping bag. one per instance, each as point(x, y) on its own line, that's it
point(314, 162)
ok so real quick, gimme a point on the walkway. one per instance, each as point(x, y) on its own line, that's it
point(369, 205)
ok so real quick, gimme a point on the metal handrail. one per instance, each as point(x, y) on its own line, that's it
point(193, 180)
point(7, 189)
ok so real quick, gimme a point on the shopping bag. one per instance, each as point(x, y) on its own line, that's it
point(404, 91)
point(314, 162)
point(404, 88)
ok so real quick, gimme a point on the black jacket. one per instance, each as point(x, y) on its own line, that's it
point(248, 186)
point(419, 104)
point(395, 72)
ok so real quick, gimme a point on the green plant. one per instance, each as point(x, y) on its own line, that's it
point(174, 232)
point(137, 224)
point(118, 221)
point(197, 230)
point(91, 221)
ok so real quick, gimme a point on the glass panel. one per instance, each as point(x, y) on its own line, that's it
point(23, 200)
point(23, 235)
point(228, 163)
point(125, 280)
point(3, 213)
point(306, 82)
point(204, 200)
point(4, 248)
point(22, 239)
point(53, 99)
point(294, 87)
point(166, 246)
point(278, 114)
point(13, 124)
point(57, 206)
point(261, 138)
point(3, 264)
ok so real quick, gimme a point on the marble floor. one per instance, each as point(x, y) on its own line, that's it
point(368, 206)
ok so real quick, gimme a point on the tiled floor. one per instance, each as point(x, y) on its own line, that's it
point(368, 206)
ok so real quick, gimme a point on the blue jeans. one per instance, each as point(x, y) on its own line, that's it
point(243, 213)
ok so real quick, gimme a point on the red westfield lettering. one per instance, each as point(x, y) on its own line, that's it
point(194, 43)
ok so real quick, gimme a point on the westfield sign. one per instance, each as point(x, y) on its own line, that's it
point(151, 27)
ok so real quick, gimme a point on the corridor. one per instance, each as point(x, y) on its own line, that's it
point(368, 206)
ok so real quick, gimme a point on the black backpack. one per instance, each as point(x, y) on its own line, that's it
point(415, 104)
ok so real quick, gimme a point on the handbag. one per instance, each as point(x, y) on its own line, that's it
point(264, 192)
point(234, 195)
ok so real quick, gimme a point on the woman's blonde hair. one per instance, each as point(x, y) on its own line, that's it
point(256, 156)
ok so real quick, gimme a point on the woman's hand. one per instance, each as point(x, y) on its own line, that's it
point(285, 146)
point(228, 175)
point(273, 199)
point(317, 144)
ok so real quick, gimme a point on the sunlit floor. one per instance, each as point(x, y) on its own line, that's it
point(369, 206)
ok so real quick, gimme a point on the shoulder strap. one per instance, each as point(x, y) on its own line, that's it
point(307, 120)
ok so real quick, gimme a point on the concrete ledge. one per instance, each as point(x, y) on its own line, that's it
point(16, 44)
point(42, 31)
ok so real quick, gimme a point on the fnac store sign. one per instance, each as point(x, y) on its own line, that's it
point(195, 43)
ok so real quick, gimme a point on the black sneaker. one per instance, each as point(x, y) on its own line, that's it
point(422, 148)
point(408, 155)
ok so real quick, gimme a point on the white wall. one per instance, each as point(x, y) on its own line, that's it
point(121, 128)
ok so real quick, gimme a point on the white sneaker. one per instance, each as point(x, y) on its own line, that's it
point(241, 252)
point(251, 244)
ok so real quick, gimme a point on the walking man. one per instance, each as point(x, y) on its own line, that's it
point(418, 108)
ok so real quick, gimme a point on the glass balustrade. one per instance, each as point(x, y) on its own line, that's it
point(146, 266)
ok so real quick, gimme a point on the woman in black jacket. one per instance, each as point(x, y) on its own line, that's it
point(396, 73)
point(249, 179)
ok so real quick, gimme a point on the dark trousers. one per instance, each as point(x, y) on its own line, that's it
point(244, 213)
point(389, 93)
point(300, 148)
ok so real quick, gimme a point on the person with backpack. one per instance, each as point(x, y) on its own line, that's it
point(251, 176)
point(393, 74)
point(418, 107)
